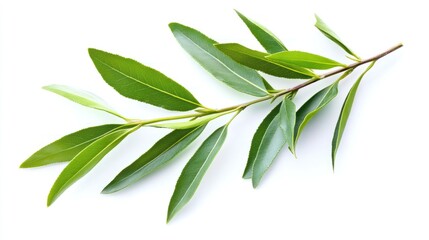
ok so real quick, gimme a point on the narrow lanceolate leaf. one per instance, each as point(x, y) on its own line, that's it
point(85, 160)
point(82, 97)
point(287, 121)
point(190, 124)
point(194, 171)
point(157, 156)
point(257, 60)
point(271, 143)
point(65, 148)
point(332, 36)
point(344, 115)
point(310, 108)
point(304, 59)
point(201, 48)
point(266, 38)
point(257, 140)
point(137, 81)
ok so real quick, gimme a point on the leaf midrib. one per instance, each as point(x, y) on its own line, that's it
point(319, 106)
point(150, 162)
point(86, 164)
point(75, 146)
point(147, 85)
point(264, 59)
point(199, 171)
point(233, 72)
point(259, 147)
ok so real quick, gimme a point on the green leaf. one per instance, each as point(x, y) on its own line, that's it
point(201, 48)
point(257, 60)
point(344, 115)
point(85, 160)
point(137, 81)
point(304, 59)
point(65, 148)
point(287, 121)
point(157, 156)
point(271, 143)
point(82, 97)
point(266, 38)
point(310, 108)
point(194, 171)
point(332, 36)
point(257, 140)
point(190, 124)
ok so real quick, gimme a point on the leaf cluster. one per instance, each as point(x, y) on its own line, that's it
point(234, 65)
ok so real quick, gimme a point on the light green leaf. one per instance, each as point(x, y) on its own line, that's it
point(257, 140)
point(310, 108)
point(257, 60)
point(332, 36)
point(194, 171)
point(82, 97)
point(65, 148)
point(201, 48)
point(304, 59)
point(190, 124)
point(344, 115)
point(85, 160)
point(265, 37)
point(271, 143)
point(287, 121)
point(137, 81)
point(157, 156)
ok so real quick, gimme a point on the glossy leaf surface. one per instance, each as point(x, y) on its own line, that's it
point(137, 81)
point(344, 115)
point(157, 156)
point(304, 59)
point(313, 105)
point(257, 140)
point(257, 60)
point(332, 35)
point(287, 121)
point(265, 37)
point(65, 148)
point(85, 160)
point(194, 171)
point(201, 48)
point(271, 143)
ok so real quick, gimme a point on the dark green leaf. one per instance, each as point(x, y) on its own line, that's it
point(257, 60)
point(332, 36)
point(304, 59)
point(257, 140)
point(271, 143)
point(157, 156)
point(85, 160)
point(310, 108)
point(137, 81)
point(287, 121)
point(344, 115)
point(201, 48)
point(65, 148)
point(194, 171)
point(265, 37)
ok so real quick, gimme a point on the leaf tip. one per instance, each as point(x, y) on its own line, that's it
point(110, 188)
point(255, 182)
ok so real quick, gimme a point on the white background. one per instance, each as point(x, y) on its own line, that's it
point(380, 186)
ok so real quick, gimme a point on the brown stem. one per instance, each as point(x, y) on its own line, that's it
point(313, 80)
point(283, 92)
